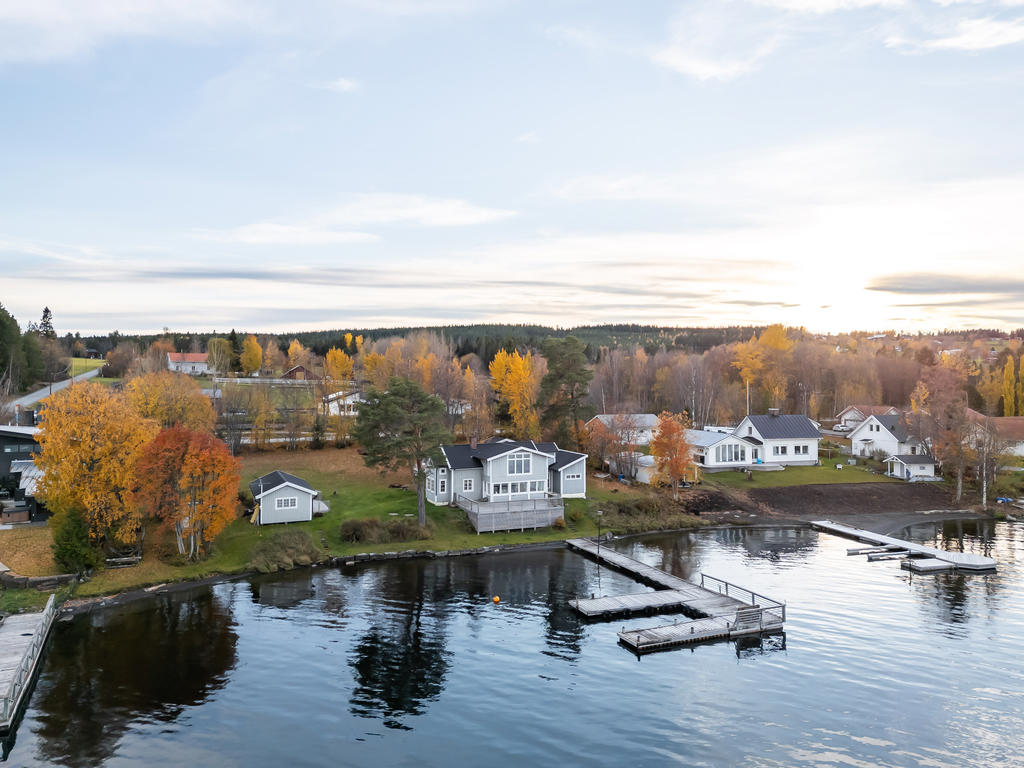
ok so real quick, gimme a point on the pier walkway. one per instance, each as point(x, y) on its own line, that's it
point(22, 637)
point(723, 609)
point(917, 557)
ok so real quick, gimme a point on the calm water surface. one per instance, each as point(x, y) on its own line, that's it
point(410, 663)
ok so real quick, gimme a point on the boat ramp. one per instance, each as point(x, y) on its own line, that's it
point(720, 609)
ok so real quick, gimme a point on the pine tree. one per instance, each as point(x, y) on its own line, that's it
point(46, 325)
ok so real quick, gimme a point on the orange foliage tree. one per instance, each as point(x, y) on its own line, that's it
point(188, 480)
point(171, 399)
point(673, 455)
point(91, 440)
point(512, 378)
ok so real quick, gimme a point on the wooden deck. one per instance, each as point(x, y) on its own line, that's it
point(723, 609)
point(889, 548)
point(22, 637)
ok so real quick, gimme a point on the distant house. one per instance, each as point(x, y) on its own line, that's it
point(886, 434)
point(642, 425)
point(852, 415)
point(284, 498)
point(16, 443)
point(911, 467)
point(344, 403)
point(504, 484)
point(191, 363)
point(1009, 430)
point(299, 373)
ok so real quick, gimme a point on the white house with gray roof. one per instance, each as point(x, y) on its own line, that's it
point(885, 434)
point(505, 484)
point(639, 426)
point(779, 439)
point(284, 498)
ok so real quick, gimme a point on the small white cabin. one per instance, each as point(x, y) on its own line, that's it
point(284, 498)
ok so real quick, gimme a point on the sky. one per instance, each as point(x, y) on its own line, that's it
point(276, 166)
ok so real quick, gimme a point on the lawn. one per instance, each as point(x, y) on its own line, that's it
point(826, 474)
point(351, 490)
point(26, 550)
point(84, 364)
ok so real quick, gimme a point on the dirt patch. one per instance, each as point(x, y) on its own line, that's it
point(810, 502)
point(345, 461)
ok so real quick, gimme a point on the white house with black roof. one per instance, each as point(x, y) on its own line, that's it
point(506, 484)
point(788, 439)
point(284, 498)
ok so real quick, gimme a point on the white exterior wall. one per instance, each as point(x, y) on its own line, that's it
point(916, 470)
point(303, 511)
point(791, 456)
point(747, 450)
point(575, 487)
point(192, 369)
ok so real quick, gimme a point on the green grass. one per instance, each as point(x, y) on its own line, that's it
point(84, 364)
point(826, 474)
point(106, 381)
point(351, 492)
point(14, 600)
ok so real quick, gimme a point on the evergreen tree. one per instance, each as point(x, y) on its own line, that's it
point(563, 390)
point(46, 325)
point(12, 354)
point(35, 367)
point(1008, 388)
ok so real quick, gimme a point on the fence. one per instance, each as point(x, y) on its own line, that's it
point(490, 516)
point(773, 611)
point(23, 672)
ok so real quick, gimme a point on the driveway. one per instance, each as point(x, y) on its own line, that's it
point(34, 397)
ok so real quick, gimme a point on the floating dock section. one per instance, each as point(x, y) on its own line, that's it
point(22, 637)
point(722, 609)
point(915, 557)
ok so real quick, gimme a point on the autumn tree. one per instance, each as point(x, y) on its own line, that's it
point(252, 355)
point(512, 377)
point(219, 354)
point(298, 355)
point(262, 414)
point(91, 440)
point(155, 357)
point(564, 389)
point(338, 367)
point(477, 421)
point(749, 362)
point(402, 426)
point(673, 455)
point(189, 481)
point(120, 360)
point(171, 399)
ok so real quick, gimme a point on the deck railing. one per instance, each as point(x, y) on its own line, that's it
point(771, 608)
point(23, 672)
point(490, 516)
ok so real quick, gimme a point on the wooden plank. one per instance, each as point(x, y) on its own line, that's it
point(962, 560)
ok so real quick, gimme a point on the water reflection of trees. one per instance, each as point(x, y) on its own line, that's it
point(680, 553)
point(149, 659)
point(400, 662)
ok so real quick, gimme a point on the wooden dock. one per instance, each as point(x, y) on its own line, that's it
point(921, 558)
point(22, 637)
point(721, 609)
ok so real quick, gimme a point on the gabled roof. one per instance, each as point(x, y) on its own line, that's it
point(907, 458)
point(12, 431)
point(30, 475)
point(895, 425)
point(1009, 428)
point(187, 357)
point(783, 426)
point(640, 420)
point(264, 485)
point(867, 410)
point(701, 438)
point(565, 458)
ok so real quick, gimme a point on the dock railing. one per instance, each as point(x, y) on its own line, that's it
point(23, 672)
point(772, 610)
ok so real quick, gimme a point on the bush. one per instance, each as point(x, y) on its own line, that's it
point(72, 551)
point(283, 551)
point(559, 524)
point(373, 530)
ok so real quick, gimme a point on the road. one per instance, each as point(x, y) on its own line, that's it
point(34, 397)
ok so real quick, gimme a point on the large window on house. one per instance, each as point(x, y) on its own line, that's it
point(467, 485)
point(430, 483)
point(519, 464)
point(730, 453)
point(442, 486)
point(287, 502)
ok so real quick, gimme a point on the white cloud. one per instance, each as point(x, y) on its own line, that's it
point(980, 35)
point(45, 29)
point(343, 224)
point(718, 41)
point(530, 137)
point(342, 85)
point(368, 210)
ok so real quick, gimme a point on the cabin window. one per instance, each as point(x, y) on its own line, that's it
point(467, 485)
point(913, 450)
point(497, 488)
point(430, 484)
point(287, 502)
point(574, 476)
point(442, 486)
point(519, 464)
point(442, 471)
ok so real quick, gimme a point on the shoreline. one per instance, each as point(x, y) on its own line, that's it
point(890, 522)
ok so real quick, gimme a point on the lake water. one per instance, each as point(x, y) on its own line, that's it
point(409, 663)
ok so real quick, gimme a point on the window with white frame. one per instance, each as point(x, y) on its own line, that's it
point(730, 453)
point(574, 476)
point(519, 464)
point(467, 484)
point(286, 502)
point(430, 483)
point(497, 488)
point(442, 486)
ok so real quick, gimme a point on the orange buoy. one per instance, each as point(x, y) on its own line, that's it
point(497, 599)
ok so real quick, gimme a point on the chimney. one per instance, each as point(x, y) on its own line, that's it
point(773, 411)
point(472, 442)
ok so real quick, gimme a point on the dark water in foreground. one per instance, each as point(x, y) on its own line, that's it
point(409, 663)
